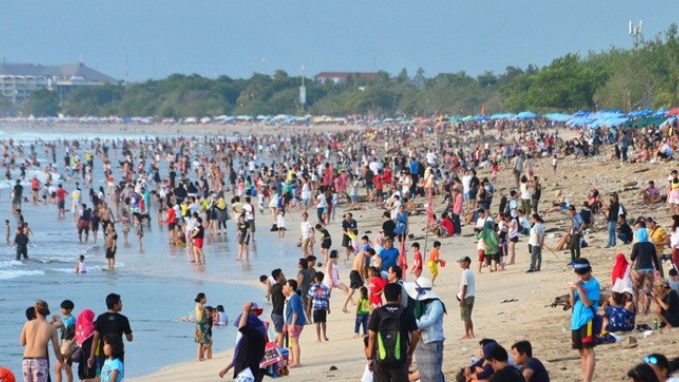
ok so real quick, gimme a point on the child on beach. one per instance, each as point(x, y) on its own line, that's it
point(221, 317)
point(362, 313)
point(80, 266)
point(66, 339)
point(353, 236)
point(207, 349)
point(180, 238)
point(417, 261)
point(268, 281)
point(113, 369)
point(434, 261)
point(280, 222)
point(375, 285)
point(243, 237)
point(319, 296)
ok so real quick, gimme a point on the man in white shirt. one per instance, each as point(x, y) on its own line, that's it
point(466, 187)
point(466, 296)
point(431, 158)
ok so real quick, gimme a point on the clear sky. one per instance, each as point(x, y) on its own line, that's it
point(239, 37)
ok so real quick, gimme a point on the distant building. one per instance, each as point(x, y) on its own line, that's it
point(18, 81)
point(339, 77)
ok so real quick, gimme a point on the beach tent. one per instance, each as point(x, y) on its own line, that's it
point(526, 115)
point(660, 113)
point(640, 113)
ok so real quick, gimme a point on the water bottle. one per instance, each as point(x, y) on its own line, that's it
point(655, 324)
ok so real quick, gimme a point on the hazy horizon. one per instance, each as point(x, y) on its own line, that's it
point(145, 40)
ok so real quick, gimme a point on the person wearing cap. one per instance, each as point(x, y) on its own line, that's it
point(577, 225)
point(36, 336)
point(658, 236)
point(668, 303)
point(584, 298)
point(428, 310)
point(466, 296)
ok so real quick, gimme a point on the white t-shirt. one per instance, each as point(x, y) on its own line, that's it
point(466, 183)
point(536, 234)
point(322, 202)
point(468, 280)
point(306, 228)
point(248, 212)
point(431, 158)
point(480, 223)
point(525, 192)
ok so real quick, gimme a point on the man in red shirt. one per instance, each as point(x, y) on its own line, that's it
point(61, 202)
point(35, 187)
point(378, 180)
point(171, 221)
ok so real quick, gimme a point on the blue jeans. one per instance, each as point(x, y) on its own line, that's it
point(625, 238)
point(611, 233)
point(361, 321)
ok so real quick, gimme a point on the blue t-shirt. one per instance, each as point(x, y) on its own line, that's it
point(109, 366)
point(581, 313)
point(68, 330)
point(389, 257)
point(414, 167)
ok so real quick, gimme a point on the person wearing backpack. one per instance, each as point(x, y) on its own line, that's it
point(584, 298)
point(393, 336)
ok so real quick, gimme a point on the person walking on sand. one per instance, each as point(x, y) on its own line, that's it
point(355, 278)
point(466, 296)
point(36, 336)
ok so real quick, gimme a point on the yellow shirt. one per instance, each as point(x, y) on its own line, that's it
point(659, 238)
point(199, 312)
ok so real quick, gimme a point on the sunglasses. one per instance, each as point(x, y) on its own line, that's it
point(651, 360)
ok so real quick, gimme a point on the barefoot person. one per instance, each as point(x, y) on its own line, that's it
point(466, 296)
point(111, 246)
point(35, 336)
point(584, 298)
point(355, 278)
point(111, 322)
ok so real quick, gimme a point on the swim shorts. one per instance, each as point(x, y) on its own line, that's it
point(433, 268)
point(355, 280)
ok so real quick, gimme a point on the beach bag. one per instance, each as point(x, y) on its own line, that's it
point(389, 349)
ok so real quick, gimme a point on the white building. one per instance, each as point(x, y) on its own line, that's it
point(18, 81)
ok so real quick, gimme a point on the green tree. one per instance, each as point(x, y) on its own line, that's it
point(42, 103)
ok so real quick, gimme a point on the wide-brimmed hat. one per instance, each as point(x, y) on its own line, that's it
point(421, 289)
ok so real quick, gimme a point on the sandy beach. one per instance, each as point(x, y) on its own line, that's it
point(525, 317)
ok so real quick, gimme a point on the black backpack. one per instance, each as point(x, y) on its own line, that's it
point(390, 349)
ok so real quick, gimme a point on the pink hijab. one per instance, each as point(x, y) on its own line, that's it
point(84, 326)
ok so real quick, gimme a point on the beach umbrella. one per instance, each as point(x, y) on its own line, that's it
point(481, 118)
point(558, 117)
point(672, 112)
point(502, 116)
point(660, 113)
point(526, 115)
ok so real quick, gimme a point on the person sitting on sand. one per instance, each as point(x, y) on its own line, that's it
point(531, 368)
point(481, 370)
point(618, 314)
point(623, 230)
point(661, 366)
point(651, 194)
point(560, 203)
point(668, 303)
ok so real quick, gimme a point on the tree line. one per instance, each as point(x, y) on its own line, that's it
point(624, 79)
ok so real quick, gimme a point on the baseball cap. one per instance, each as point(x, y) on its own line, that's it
point(582, 266)
point(464, 259)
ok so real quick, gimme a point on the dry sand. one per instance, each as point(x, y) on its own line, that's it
point(527, 318)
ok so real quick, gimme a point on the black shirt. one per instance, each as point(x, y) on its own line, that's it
point(347, 225)
point(671, 315)
point(539, 372)
point(408, 324)
point(643, 254)
point(625, 229)
point(277, 299)
point(613, 212)
point(111, 323)
point(325, 235)
point(201, 232)
point(508, 374)
point(18, 190)
point(250, 353)
point(389, 228)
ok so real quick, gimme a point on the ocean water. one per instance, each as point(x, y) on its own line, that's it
point(158, 285)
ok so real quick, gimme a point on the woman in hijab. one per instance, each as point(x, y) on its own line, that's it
point(84, 334)
point(250, 346)
point(488, 241)
point(645, 265)
point(428, 310)
point(620, 275)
